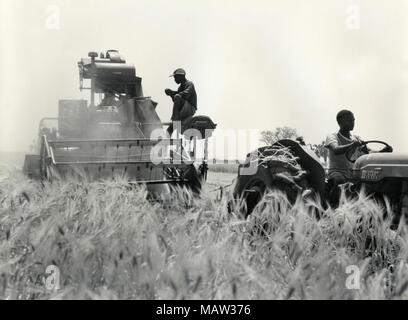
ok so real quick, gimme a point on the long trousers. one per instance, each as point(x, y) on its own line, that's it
point(182, 110)
point(334, 180)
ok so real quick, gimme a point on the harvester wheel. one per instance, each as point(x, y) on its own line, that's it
point(192, 179)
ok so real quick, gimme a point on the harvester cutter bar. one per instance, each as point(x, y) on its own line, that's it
point(158, 181)
point(101, 158)
point(164, 163)
point(107, 151)
point(111, 142)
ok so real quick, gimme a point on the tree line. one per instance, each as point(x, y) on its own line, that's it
point(269, 137)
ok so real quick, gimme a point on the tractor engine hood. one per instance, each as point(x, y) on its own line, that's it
point(377, 166)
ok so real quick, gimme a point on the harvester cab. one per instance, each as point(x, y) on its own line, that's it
point(121, 134)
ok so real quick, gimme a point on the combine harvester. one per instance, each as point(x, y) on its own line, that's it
point(117, 136)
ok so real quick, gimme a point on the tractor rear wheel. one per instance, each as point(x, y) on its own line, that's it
point(251, 189)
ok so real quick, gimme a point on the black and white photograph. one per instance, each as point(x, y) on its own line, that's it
point(221, 152)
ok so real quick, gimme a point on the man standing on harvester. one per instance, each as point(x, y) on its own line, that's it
point(184, 99)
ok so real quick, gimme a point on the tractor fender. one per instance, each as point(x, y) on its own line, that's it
point(251, 188)
point(310, 163)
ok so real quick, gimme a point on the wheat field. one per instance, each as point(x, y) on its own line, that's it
point(109, 242)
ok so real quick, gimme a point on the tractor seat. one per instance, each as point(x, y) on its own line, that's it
point(201, 123)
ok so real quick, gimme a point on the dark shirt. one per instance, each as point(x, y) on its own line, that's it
point(187, 92)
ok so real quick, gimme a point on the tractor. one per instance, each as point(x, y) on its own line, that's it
point(295, 170)
point(121, 135)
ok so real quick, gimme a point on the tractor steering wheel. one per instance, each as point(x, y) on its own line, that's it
point(348, 152)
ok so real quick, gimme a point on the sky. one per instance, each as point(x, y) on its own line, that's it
point(255, 64)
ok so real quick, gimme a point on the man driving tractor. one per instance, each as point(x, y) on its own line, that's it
point(338, 144)
point(184, 99)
